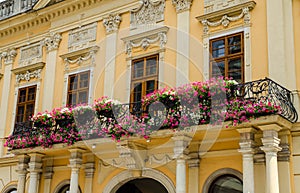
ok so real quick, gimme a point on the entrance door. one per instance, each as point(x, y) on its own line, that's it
point(143, 185)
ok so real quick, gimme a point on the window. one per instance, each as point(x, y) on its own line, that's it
point(227, 57)
point(25, 103)
point(78, 88)
point(226, 184)
point(144, 77)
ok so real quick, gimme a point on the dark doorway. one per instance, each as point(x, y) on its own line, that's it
point(144, 185)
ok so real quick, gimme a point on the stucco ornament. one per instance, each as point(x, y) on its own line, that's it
point(9, 56)
point(182, 5)
point(112, 22)
point(28, 75)
point(52, 42)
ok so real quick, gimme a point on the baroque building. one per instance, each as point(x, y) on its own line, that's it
point(59, 58)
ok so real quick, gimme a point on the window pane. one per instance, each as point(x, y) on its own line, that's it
point(29, 111)
point(151, 66)
point(22, 96)
point(73, 82)
point(72, 99)
point(234, 44)
point(150, 86)
point(137, 92)
point(218, 48)
point(31, 94)
point(218, 68)
point(138, 69)
point(234, 64)
point(83, 97)
point(84, 80)
point(20, 113)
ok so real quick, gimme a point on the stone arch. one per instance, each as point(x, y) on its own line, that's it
point(125, 176)
point(62, 184)
point(9, 187)
point(219, 173)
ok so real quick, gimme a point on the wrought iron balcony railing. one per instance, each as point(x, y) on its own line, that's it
point(9, 8)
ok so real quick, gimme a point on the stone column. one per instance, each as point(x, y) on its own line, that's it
point(183, 47)
point(35, 168)
point(271, 142)
point(8, 58)
point(181, 142)
point(111, 23)
point(247, 150)
point(51, 43)
point(89, 170)
point(22, 171)
point(48, 175)
point(75, 165)
point(193, 175)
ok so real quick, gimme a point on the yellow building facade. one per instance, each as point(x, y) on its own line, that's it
point(57, 53)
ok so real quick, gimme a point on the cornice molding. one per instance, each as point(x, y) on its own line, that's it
point(145, 39)
point(225, 16)
point(28, 72)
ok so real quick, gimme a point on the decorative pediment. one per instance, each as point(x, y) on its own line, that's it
point(80, 56)
point(82, 37)
point(145, 39)
point(31, 54)
point(225, 16)
point(149, 12)
point(28, 72)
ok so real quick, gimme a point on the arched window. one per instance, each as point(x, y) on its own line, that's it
point(226, 184)
point(64, 189)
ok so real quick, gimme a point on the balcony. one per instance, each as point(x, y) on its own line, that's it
point(10, 8)
point(212, 102)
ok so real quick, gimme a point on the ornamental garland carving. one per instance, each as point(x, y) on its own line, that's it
point(150, 12)
point(28, 75)
point(182, 5)
point(9, 56)
point(112, 22)
point(52, 42)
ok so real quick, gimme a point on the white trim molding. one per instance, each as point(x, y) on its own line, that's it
point(145, 39)
point(225, 16)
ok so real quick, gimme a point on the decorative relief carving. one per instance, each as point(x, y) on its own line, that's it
point(159, 159)
point(182, 5)
point(216, 5)
point(112, 22)
point(78, 57)
point(30, 55)
point(145, 39)
point(150, 12)
point(52, 42)
point(28, 75)
point(9, 56)
point(226, 16)
point(82, 37)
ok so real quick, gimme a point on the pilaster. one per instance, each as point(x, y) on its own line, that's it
point(48, 175)
point(193, 164)
point(22, 171)
point(247, 146)
point(75, 165)
point(35, 168)
point(89, 169)
point(271, 143)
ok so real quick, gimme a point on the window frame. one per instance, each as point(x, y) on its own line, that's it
point(227, 56)
point(25, 103)
point(78, 89)
point(145, 78)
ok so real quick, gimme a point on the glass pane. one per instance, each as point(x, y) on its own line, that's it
point(151, 66)
point(84, 80)
point(83, 97)
point(137, 92)
point(150, 86)
point(234, 44)
point(218, 68)
point(226, 184)
point(234, 64)
point(73, 82)
point(72, 99)
point(29, 111)
point(237, 76)
point(218, 48)
point(20, 114)
point(22, 96)
point(138, 69)
point(31, 94)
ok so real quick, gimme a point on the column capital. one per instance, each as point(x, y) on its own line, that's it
point(270, 144)
point(181, 142)
point(89, 169)
point(112, 22)
point(76, 158)
point(182, 5)
point(193, 163)
point(52, 41)
point(9, 56)
point(22, 164)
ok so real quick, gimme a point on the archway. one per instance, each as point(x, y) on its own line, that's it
point(142, 185)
